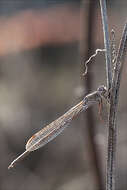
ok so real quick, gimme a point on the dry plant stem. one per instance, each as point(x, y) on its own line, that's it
point(52, 130)
point(112, 136)
point(106, 43)
point(113, 47)
point(90, 58)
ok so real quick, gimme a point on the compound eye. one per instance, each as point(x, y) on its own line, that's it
point(101, 88)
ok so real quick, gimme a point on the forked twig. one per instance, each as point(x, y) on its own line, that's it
point(49, 132)
point(113, 82)
point(114, 95)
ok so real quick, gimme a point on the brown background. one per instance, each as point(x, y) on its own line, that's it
point(41, 48)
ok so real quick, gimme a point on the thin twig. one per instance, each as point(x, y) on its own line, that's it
point(52, 130)
point(106, 43)
point(90, 58)
point(114, 95)
point(113, 48)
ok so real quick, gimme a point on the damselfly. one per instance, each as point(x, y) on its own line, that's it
point(52, 130)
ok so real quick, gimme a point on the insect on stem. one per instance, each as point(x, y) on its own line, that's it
point(52, 130)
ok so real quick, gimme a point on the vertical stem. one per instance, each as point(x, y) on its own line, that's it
point(112, 136)
point(106, 43)
point(113, 84)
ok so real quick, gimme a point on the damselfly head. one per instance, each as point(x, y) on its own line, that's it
point(102, 89)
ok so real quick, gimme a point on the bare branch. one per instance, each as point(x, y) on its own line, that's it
point(91, 57)
point(114, 95)
point(113, 47)
point(106, 43)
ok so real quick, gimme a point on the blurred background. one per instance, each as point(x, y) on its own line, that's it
point(43, 46)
